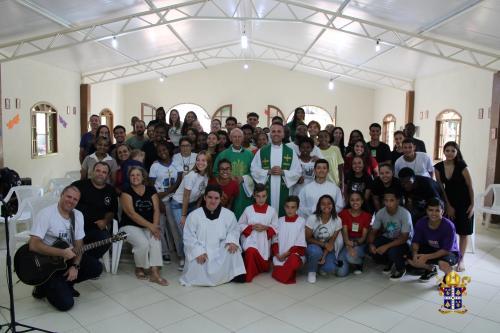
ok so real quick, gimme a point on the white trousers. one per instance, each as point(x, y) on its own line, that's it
point(146, 249)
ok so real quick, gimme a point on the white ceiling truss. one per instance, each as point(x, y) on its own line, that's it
point(258, 51)
point(280, 11)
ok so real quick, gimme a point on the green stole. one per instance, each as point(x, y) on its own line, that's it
point(286, 163)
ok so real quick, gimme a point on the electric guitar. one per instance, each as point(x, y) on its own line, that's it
point(35, 269)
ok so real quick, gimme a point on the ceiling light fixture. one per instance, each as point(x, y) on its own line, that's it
point(377, 46)
point(114, 42)
point(162, 79)
point(244, 41)
point(245, 66)
point(331, 84)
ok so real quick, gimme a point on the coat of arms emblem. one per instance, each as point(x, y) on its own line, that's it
point(453, 289)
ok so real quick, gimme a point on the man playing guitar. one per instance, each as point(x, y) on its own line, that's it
point(54, 223)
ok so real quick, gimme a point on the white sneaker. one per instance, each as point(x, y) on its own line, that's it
point(181, 265)
point(311, 277)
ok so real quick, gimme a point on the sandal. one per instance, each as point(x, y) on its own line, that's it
point(159, 280)
point(139, 273)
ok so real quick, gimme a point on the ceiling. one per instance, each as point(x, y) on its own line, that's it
point(330, 38)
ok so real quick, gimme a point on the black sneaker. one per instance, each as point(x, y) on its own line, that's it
point(75, 292)
point(428, 275)
point(397, 275)
point(38, 293)
point(357, 269)
point(166, 259)
point(387, 269)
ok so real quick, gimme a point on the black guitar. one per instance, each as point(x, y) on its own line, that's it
point(35, 269)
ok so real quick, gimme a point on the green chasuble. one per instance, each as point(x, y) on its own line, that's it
point(240, 163)
point(286, 163)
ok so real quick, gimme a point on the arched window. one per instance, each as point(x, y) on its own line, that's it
point(148, 112)
point(43, 130)
point(448, 128)
point(388, 128)
point(273, 111)
point(317, 113)
point(202, 115)
point(223, 113)
point(107, 118)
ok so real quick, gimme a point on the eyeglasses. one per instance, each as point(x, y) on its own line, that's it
point(225, 169)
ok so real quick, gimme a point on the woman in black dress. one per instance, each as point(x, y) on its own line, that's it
point(453, 175)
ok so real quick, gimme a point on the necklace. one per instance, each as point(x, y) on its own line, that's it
point(186, 165)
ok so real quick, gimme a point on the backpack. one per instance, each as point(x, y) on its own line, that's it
point(8, 179)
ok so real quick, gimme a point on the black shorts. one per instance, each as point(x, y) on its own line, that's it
point(451, 258)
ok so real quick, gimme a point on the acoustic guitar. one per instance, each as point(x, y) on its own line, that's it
point(35, 269)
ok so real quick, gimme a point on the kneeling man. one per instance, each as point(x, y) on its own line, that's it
point(211, 243)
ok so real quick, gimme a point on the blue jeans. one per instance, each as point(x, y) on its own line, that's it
point(360, 251)
point(394, 255)
point(176, 209)
point(314, 253)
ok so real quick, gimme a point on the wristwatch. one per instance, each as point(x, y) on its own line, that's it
point(77, 266)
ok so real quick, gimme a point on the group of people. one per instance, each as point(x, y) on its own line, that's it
point(244, 200)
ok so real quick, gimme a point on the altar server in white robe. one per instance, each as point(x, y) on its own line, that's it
point(258, 225)
point(277, 166)
point(211, 243)
point(310, 193)
point(289, 245)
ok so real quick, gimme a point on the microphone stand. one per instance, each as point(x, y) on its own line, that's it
point(13, 325)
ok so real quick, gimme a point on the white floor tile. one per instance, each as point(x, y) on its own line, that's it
point(333, 302)
point(265, 280)
point(96, 310)
point(197, 323)
point(396, 302)
point(345, 325)
point(138, 297)
point(239, 290)
point(29, 307)
point(269, 324)
point(53, 321)
point(374, 316)
point(412, 325)
point(305, 316)
point(431, 314)
point(491, 311)
point(110, 284)
point(298, 291)
point(234, 315)
point(268, 301)
point(124, 323)
point(202, 299)
point(164, 313)
point(480, 325)
point(355, 288)
point(480, 289)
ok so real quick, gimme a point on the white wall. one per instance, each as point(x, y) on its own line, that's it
point(252, 90)
point(389, 101)
point(108, 95)
point(464, 90)
point(34, 82)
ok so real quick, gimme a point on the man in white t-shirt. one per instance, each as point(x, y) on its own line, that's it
point(52, 224)
point(419, 162)
point(310, 193)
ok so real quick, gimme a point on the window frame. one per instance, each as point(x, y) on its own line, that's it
point(444, 117)
point(332, 117)
point(51, 120)
point(386, 136)
point(108, 114)
point(278, 113)
point(153, 115)
point(218, 114)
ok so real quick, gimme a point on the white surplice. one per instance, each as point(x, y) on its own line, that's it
point(256, 239)
point(290, 234)
point(202, 235)
point(290, 177)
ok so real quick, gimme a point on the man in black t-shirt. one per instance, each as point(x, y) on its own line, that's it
point(417, 190)
point(409, 132)
point(160, 134)
point(378, 149)
point(99, 205)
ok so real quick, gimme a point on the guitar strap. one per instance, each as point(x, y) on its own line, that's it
point(72, 229)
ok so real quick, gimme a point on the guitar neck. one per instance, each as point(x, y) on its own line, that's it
point(91, 246)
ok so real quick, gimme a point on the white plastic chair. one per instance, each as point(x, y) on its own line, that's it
point(480, 208)
point(23, 193)
point(75, 175)
point(56, 185)
point(111, 265)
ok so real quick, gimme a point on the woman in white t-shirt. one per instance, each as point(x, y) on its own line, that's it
point(324, 241)
point(189, 193)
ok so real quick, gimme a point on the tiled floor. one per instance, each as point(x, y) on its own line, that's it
point(368, 303)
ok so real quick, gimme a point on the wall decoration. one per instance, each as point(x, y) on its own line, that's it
point(421, 115)
point(480, 113)
point(62, 121)
point(18, 103)
point(426, 114)
point(7, 104)
point(74, 110)
point(67, 109)
point(14, 121)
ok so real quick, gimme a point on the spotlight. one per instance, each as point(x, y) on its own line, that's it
point(244, 41)
point(114, 42)
point(245, 66)
point(331, 84)
point(162, 79)
point(377, 46)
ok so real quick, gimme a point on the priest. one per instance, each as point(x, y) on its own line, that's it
point(240, 159)
point(277, 166)
point(211, 243)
